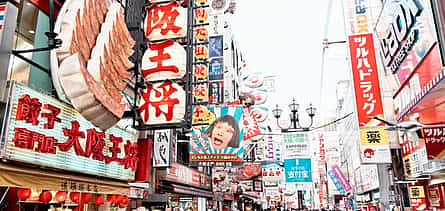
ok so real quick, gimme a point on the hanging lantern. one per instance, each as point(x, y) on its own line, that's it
point(200, 92)
point(123, 205)
point(111, 199)
point(86, 197)
point(202, 2)
point(60, 196)
point(74, 196)
point(201, 71)
point(201, 15)
point(125, 200)
point(45, 197)
point(99, 200)
point(24, 193)
point(119, 199)
point(201, 52)
point(201, 33)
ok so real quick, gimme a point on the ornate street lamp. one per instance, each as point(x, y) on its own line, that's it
point(295, 121)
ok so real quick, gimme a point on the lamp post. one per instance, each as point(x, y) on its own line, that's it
point(294, 118)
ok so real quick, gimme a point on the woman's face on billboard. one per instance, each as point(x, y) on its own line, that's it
point(221, 135)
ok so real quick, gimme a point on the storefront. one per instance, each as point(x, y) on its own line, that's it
point(181, 188)
point(412, 46)
point(51, 154)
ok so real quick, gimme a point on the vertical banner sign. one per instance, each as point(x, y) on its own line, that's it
point(321, 166)
point(374, 143)
point(298, 170)
point(336, 182)
point(201, 89)
point(341, 178)
point(366, 79)
point(163, 101)
point(162, 146)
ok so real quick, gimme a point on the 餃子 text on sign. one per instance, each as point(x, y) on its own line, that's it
point(44, 131)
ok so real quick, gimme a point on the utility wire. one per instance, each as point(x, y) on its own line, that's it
point(330, 123)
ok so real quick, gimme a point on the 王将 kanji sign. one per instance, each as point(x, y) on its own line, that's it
point(42, 130)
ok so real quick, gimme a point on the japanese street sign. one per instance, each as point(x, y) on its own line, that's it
point(44, 131)
point(162, 146)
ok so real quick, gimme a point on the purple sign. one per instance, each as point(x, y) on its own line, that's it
point(341, 177)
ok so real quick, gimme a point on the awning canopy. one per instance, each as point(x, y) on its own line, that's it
point(191, 191)
point(430, 96)
point(25, 177)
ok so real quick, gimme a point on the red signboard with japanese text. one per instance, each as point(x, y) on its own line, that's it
point(435, 142)
point(41, 130)
point(185, 175)
point(366, 79)
point(165, 21)
point(368, 98)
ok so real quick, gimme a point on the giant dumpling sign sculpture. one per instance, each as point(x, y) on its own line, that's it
point(90, 68)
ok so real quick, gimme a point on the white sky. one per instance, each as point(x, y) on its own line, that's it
point(284, 38)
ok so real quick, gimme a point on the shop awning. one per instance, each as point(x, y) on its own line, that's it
point(156, 198)
point(431, 95)
point(191, 191)
point(249, 196)
point(20, 176)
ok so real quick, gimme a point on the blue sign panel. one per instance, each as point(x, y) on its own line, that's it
point(216, 46)
point(298, 170)
point(216, 71)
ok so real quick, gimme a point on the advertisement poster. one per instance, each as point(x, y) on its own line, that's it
point(296, 144)
point(434, 196)
point(298, 170)
point(231, 179)
point(216, 92)
point(218, 133)
point(161, 148)
point(216, 46)
point(216, 71)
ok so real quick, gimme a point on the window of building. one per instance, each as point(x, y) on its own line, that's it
point(24, 36)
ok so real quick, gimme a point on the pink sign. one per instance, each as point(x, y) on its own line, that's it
point(341, 177)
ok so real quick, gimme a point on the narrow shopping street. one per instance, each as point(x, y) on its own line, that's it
point(222, 105)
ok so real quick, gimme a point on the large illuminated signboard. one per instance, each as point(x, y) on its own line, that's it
point(41, 130)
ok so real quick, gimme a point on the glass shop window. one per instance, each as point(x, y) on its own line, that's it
point(23, 39)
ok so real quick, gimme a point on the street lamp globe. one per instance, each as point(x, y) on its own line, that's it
point(311, 110)
point(277, 112)
point(294, 106)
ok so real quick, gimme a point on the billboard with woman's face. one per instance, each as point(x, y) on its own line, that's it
point(217, 133)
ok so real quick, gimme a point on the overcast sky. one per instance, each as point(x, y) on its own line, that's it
point(284, 38)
